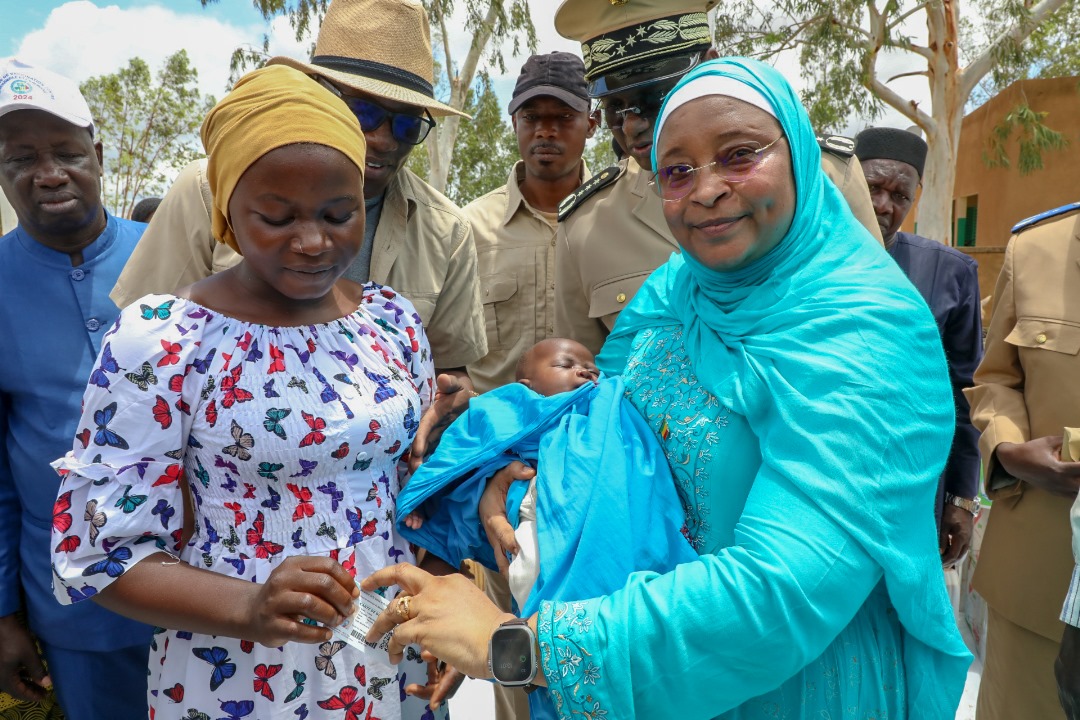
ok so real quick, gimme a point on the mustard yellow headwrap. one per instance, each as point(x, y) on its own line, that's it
point(269, 108)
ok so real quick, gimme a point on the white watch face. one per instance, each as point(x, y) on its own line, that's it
point(513, 658)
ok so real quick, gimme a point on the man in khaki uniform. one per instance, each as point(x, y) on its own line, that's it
point(1025, 393)
point(376, 54)
point(515, 225)
point(612, 231)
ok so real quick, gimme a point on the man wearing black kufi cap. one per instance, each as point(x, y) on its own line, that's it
point(948, 280)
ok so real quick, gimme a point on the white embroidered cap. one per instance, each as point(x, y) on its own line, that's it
point(26, 87)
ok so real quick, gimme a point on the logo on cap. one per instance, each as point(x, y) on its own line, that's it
point(20, 87)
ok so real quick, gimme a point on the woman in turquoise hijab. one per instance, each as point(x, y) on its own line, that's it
point(762, 356)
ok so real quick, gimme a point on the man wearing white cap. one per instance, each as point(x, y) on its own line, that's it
point(56, 269)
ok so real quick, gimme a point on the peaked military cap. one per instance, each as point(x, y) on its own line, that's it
point(619, 37)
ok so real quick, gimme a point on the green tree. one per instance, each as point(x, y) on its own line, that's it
point(485, 150)
point(839, 44)
point(492, 24)
point(148, 126)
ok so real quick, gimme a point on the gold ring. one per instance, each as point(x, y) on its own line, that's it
point(403, 607)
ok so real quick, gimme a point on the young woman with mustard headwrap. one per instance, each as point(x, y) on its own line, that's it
point(236, 463)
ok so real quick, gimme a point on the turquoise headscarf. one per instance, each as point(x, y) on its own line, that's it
point(836, 363)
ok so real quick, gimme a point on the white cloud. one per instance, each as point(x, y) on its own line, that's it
point(81, 39)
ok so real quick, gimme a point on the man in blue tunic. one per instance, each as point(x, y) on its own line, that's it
point(56, 270)
point(948, 280)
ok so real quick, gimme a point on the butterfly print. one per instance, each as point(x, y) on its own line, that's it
point(325, 659)
point(277, 361)
point(263, 548)
point(162, 413)
point(164, 511)
point(68, 544)
point(233, 393)
point(144, 378)
point(316, 435)
point(336, 496)
point(128, 503)
point(348, 700)
point(112, 565)
point(263, 674)
point(218, 657)
point(236, 709)
point(211, 414)
point(350, 359)
point(384, 391)
point(253, 500)
point(306, 467)
point(107, 364)
point(172, 353)
point(61, 518)
point(240, 449)
point(201, 474)
point(105, 436)
point(376, 686)
point(161, 312)
point(267, 470)
point(274, 501)
point(202, 365)
point(373, 435)
point(304, 506)
point(239, 517)
point(299, 679)
point(272, 423)
point(96, 518)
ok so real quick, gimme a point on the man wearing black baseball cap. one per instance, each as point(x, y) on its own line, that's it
point(514, 228)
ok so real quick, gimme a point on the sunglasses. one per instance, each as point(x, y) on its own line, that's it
point(405, 128)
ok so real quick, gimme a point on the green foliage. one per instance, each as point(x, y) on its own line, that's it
point(148, 126)
point(1034, 138)
point(485, 150)
point(599, 153)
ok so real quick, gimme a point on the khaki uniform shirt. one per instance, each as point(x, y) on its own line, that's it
point(1025, 388)
point(515, 247)
point(609, 246)
point(423, 248)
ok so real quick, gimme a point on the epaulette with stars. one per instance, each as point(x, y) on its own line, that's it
point(589, 188)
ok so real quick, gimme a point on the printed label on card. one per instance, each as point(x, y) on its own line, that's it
point(355, 628)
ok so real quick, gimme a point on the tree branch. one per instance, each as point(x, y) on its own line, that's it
point(924, 73)
point(980, 66)
point(890, 26)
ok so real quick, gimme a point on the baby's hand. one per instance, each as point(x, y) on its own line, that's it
point(414, 520)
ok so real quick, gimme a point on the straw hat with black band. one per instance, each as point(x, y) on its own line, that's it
point(395, 63)
point(627, 43)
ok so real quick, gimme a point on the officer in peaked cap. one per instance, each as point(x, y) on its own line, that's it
point(612, 233)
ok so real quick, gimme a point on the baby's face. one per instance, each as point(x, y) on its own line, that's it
point(558, 365)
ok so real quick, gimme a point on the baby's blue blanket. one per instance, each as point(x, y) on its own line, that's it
point(606, 501)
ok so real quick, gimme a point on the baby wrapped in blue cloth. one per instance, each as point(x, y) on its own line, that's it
point(604, 497)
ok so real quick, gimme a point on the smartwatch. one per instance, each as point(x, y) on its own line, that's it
point(512, 654)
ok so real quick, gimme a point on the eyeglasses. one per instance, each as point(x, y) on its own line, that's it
point(405, 128)
point(675, 182)
point(646, 106)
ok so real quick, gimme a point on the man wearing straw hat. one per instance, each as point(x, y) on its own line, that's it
point(376, 54)
point(612, 232)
